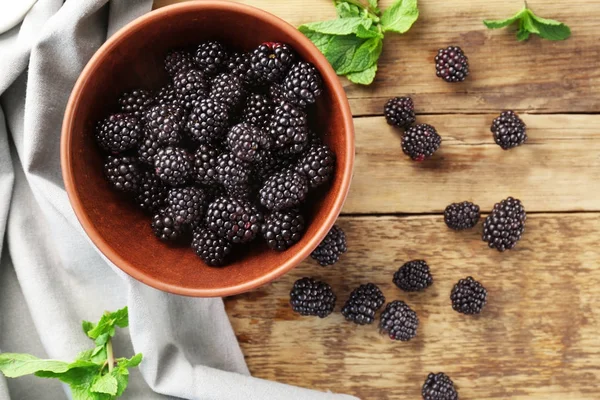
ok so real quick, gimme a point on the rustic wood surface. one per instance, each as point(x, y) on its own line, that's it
point(538, 337)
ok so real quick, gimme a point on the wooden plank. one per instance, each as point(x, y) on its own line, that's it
point(536, 339)
point(538, 76)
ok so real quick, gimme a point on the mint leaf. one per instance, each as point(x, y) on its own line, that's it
point(340, 51)
point(347, 10)
point(76, 375)
point(400, 16)
point(102, 339)
point(530, 23)
point(129, 363)
point(365, 56)
point(13, 365)
point(105, 384)
point(365, 33)
point(551, 29)
point(363, 77)
point(373, 5)
point(83, 393)
point(319, 39)
point(87, 326)
point(122, 377)
point(107, 323)
point(344, 26)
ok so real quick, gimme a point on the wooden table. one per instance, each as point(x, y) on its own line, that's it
point(539, 335)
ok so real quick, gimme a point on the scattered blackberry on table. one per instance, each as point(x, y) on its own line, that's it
point(312, 297)
point(186, 204)
point(399, 321)
point(147, 149)
point(284, 189)
point(302, 84)
point(400, 112)
point(509, 130)
point(276, 93)
point(151, 193)
point(212, 249)
point(363, 303)
point(235, 220)
point(211, 56)
point(190, 87)
point(258, 110)
point(173, 165)
point(177, 61)
point(461, 216)
point(317, 164)
point(413, 276)
point(165, 122)
point(505, 225)
point(283, 229)
point(331, 248)
point(208, 121)
point(270, 61)
point(289, 128)
point(439, 387)
point(228, 89)
point(420, 142)
point(118, 133)
point(123, 173)
point(451, 64)
point(136, 102)
point(468, 296)
point(166, 95)
point(234, 175)
point(248, 143)
point(205, 164)
point(165, 227)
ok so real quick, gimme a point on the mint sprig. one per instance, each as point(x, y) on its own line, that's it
point(94, 375)
point(530, 23)
point(352, 43)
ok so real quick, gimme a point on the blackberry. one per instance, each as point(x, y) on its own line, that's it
point(208, 121)
point(258, 110)
point(317, 164)
point(451, 64)
point(151, 193)
point(190, 87)
point(177, 61)
point(504, 227)
point(270, 61)
point(331, 248)
point(289, 128)
point(439, 387)
point(211, 56)
point(212, 249)
point(165, 122)
point(461, 216)
point(272, 163)
point(413, 276)
point(186, 204)
point(276, 93)
point(228, 89)
point(166, 95)
point(118, 133)
point(234, 220)
point(400, 112)
point(136, 102)
point(468, 296)
point(420, 142)
point(363, 303)
point(399, 321)
point(283, 229)
point(173, 165)
point(239, 64)
point(248, 143)
point(509, 130)
point(284, 189)
point(164, 226)
point(312, 297)
point(147, 149)
point(123, 173)
point(234, 175)
point(213, 192)
point(205, 164)
point(303, 84)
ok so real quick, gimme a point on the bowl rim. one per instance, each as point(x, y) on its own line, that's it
point(298, 256)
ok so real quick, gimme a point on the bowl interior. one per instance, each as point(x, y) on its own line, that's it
point(134, 59)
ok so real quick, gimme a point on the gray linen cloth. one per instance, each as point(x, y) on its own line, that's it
point(51, 276)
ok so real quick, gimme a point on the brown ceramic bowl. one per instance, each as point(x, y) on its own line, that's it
point(133, 58)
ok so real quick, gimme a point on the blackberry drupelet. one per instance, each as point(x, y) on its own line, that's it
point(234, 175)
point(420, 142)
point(165, 122)
point(312, 297)
point(186, 204)
point(509, 130)
point(399, 321)
point(331, 248)
point(505, 225)
point(190, 87)
point(283, 229)
point(468, 296)
point(289, 128)
point(177, 61)
point(123, 173)
point(276, 93)
point(118, 133)
point(317, 164)
point(205, 164)
point(248, 143)
point(228, 89)
point(173, 165)
point(283, 190)
point(439, 387)
point(147, 149)
point(164, 226)
point(413, 276)
point(136, 102)
point(302, 84)
point(461, 216)
point(451, 64)
point(270, 61)
point(258, 110)
point(400, 112)
point(166, 95)
point(363, 303)
point(212, 249)
point(211, 56)
point(151, 194)
point(235, 220)
point(208, 121)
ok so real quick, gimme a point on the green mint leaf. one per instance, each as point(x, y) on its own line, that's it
point(100, 355)
point(83, 393)
point(365, 33)
point(102, 339)
point(343, 26)
point(80, 375)
point(340, 51)
point(85, 355)
point(530, 23)
point(130, 363)
point(107, 323)
point(319, 39)
point(122, 377)
point(87, 326)
point(105, 384)
point(346, 10)
point(400, 16)
point(363, 77)
point(550, 29)
point(365, 56)
point(13, 365)
point(503, 23)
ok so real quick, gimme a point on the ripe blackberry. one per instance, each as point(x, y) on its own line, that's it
point(399, 321)
point(165, 122)
point(164, 226)
point(166, 95)
point(439, 387)
point(420, 142)
point(468, 296)
point(461, 216)
point(413, 276)
point(208, 121)
point(239, 64)
point(258, 110)
point(190, 87)
point(276, 93)
point(289, 128)
point(177, 61)
point(363, 303)
point(317, 164)
point(283, 229)
point(136, 102)
point(147, 149)
point(205, 164)
point(151, 194)
point(312, 297)
point(509, 130)
point(248, 143)
point(400, 112)
point(211, 56)
point(123, 173)
point(234, 220)
point(451, 64)
point(173, 165)
point(331, 248)
point(284, 189)
point(186, 204)
point(213, 192)
point(302, 84)
point(118, 133)
point(212, 249)
point(270, 61)
point(234, 175)
point(228, 89)
point(504, 227)
point(272, 163)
